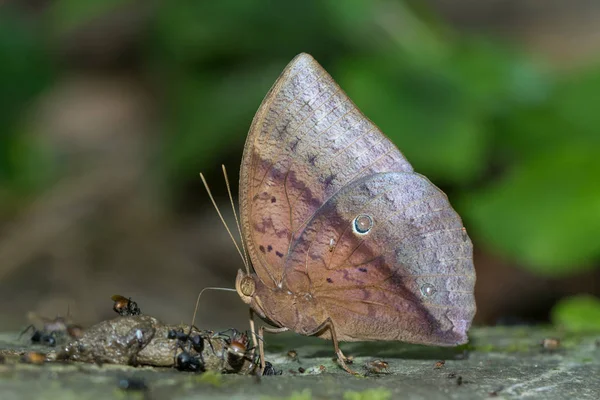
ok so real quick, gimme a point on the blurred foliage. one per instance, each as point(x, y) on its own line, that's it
point(578, 314)
point(25, 70)
point(369, 394)
point(513, 144)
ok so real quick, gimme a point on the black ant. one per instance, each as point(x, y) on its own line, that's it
point(185, 361)
point(41, 336)
point(125, 306)
point(270, 370)
point(196, 341)
point(53, 329)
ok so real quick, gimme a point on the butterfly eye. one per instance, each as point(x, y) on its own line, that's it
point(363, 224)
point(427, 290)
point(248, 286)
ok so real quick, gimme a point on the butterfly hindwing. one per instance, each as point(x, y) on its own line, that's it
point(408, 277)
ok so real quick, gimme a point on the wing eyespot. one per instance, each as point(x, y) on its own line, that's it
point(428, 290)
point(362, 224)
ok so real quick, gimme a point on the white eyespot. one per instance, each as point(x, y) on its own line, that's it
point(427, 290)
point(362, 224)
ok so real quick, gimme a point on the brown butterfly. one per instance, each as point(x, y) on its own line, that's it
point(345, 240)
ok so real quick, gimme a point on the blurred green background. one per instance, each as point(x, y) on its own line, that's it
point(108, 111)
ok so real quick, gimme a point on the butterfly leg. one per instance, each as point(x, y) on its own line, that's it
point(261, 344)
point(328, 324)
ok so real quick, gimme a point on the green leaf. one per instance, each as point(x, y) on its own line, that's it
point(545, 213)
point(577, 314)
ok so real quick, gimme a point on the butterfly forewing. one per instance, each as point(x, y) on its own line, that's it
point(307, 142)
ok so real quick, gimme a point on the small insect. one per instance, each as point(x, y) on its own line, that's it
point(270, 370)
point(52, 330)
point(125, 306)
point(439, 364)
point(236, 347)
point(550, 344)
point(33, 357)
point(132, 384)
point(178, 334)
point(331, 245)
point(185, 361)
point(41, 337)
point(377, 367)
point(459, 380)
point(301, 370)
point(293, 355)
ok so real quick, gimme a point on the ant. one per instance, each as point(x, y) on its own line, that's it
point(195, 341)
point(270, 370)
point(235, 347)
point(41, 336)
point(185, 361)
point(52, 330)
point(125, 306)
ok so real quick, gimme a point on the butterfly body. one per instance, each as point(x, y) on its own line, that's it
point(346, 241)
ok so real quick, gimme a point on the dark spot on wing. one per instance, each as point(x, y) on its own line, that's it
point(283, 130)
point(362, 269)
point(294, 144)
point(329, 179)
point(329, 280)
point(273, 199)
point(269, 248)
point(279, 254)
point(261, 248)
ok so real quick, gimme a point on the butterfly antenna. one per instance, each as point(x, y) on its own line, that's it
point(223, 221)
point(237, 221)
point(198, 301)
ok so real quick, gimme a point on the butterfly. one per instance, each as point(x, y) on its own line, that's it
point(345, 241)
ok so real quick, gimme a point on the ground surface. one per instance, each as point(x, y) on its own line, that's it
point(498, 363)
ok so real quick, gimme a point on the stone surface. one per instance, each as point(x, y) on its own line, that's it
point(498, 363)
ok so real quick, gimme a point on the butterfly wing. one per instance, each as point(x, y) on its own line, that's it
point(388, 259)
point(307, 142)
point(313, 163)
